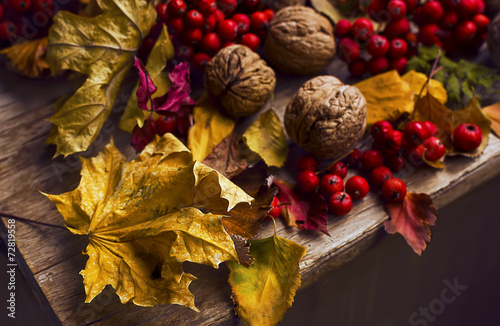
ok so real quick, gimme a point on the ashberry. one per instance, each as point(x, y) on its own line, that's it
point(340, 203)
point(380, 175)
point(308, 181)
point(379, 129)
point(339, 169)
point(330, 184)
point(394, 190)
point(378, 45)
point(371, 159)
point(467, 137)
point(415, 133)
point(343, 28)
point(357, 187)
point(433, 149)
point(307, 163)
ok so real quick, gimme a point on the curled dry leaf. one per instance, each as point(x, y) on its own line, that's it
point(145, 217)
point(265, 290)
point(209, 129)
point(492, 112)
point(103, 48)
point(266, 137)
point(29, 58)
point(412, 219)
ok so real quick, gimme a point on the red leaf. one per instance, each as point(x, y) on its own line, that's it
point(146, 86)
point(143, 136)
point(178, 92)
point(411, 218)
point(306, 211)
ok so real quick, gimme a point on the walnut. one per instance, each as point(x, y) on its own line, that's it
point(300, 41)
point(493, 39)
point(240, 79)
point(326, 117)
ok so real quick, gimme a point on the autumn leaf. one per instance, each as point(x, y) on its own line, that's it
point(162, 51)
point(145, 217)
point(387, 96)
point(266, 137)
point(492, 112)
point(103, 48)
point(29, 58)
point(472, 113)
point(417, 80)
point(231, 156)
point(209, 129)
point(265, 290)
point(306, 211)
point(412, 219)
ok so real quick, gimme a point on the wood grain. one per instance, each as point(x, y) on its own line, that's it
point(54, 257)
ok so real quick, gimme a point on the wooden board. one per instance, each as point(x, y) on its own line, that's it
point(54, 256)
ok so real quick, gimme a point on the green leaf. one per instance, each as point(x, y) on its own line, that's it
point(428, 53)
point(453, 89)
point(447, 63)
point(419, 65)
point(467, 89)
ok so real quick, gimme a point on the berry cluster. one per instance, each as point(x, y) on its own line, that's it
point(454, 25)
point(28, 19)
point(201, 27)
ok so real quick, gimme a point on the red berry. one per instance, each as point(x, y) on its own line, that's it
point(429, 34)
point(481, 22)
point(200, 60)
point(206, 7)
point(380, 175)
point(371, 159)
point(394, 190)
point(415, 133)
point(192, 36)
point(177, 24)
point(176, 8)
point(464, 32)
point(258, 21)
point(20, 6)
point(46, 6)
point(379, 129)
point(357, 187)
point(308, 181)
point(357, 67)
point(251, 40)
point(431, 128)
point(378, 65)
point(378, 45)
point(466, 8)
point(307, 163)
point(398, 28)
point(362, 30)
point(395, 162)
point(185, 51)
point(210, 43)
point(354, 159)
point(432, 12)
point(449, 20)
point(209, 23)
point(161, 10)
point(275, 211)
point(399, 65)
point(433, 149)
point(397, 48)
point(343, 28)
point(330, 184)
point(449, 4)
point(145, 49)
point(227, 6)
point(219, 15)
point(348, 50)
point(227, 30)
point(243, 23)
point(226, 44)
point(480, 6)
point(166, 124)
point(410, 5)
point(8, 30)
point(377, 10)
point(193, 19)
point(393, 141)
point(339, 169)
point(249, 5)
point(414, 154)
point(340, 203)
point(269, 13)
point(397, 9)
point(467, 137)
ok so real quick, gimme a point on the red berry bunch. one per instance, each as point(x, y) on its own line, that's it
point(200, 28)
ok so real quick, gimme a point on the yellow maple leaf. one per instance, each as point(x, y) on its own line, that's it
point(265, 290)
point(162, 51)
point(492, 112)
point(417, 81)
point(103, 48)
point(209, 129)
point(29, 57)
point(266, 137)
point(145, 217)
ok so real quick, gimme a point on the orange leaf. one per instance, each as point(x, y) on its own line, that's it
point(29, 57)
point(411, 218)
point(493, 113)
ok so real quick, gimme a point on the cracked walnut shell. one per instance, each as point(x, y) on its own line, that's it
point(326, 117)
point(300, 41)
point(240, 79)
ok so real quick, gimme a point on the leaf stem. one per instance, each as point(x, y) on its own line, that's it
point(25, 220)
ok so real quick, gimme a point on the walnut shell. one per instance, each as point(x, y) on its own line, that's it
point(493, 39)
point(326, 117)
point(240, 79)
point(300, 41)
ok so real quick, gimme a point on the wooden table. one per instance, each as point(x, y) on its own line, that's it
point(51, 259)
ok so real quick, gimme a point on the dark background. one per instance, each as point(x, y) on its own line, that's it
point(387, 284)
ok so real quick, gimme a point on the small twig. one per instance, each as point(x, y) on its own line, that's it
point(25, 220)
point(432, 73)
